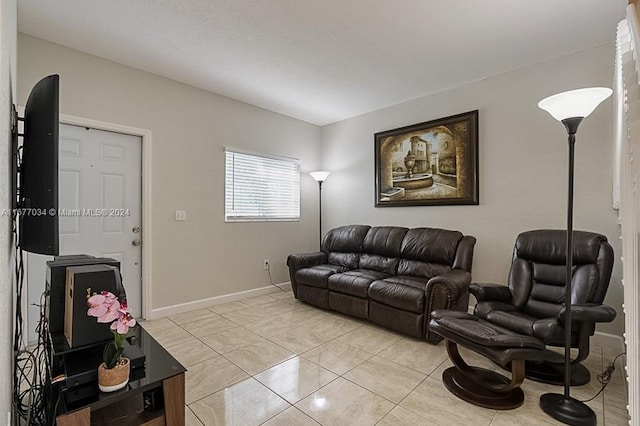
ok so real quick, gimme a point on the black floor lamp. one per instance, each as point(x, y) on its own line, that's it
point(570, 108)
point(320, 176)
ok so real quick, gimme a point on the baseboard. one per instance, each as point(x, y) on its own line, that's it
point(212, 301)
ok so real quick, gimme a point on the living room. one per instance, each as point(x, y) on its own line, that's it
point(204, 261)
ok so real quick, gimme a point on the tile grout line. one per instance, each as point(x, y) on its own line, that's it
point(289, 308)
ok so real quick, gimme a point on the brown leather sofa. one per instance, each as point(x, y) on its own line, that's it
point(391, 275)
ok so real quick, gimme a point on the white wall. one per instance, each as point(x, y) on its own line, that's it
point(523, 156)
point(523, 164)
point(204, 256)
point(7, 94)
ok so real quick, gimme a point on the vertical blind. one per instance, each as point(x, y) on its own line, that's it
point(261, 188)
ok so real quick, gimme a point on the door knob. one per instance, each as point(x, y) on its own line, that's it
point(136, 242)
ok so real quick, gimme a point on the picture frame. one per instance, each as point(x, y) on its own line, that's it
point(434, 163)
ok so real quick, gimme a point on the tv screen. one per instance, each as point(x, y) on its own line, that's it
point(38, 200)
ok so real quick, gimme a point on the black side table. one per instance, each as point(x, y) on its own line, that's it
point(161, 376)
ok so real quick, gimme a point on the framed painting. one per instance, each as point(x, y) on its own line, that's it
point(428, 164)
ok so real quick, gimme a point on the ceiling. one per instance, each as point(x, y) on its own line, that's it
point(323, 61)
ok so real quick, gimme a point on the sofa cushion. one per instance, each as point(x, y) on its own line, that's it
point(317, 276)
point(381, 249)
point(550, 246)
point(374, 262)
point(485, 334)
point(345, 239)
point(402, 292)
point(421, 269)
point(427, 252)
point(384, 240)
point(355, 283)
point(343, 245)
point(545, 329)
point(431, 245)
point(346, 260)
point(514, 321)
point(485, 307)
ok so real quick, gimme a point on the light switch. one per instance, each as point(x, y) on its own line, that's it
point(181, 215)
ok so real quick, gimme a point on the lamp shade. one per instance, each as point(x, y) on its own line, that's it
point(577, 103)
point(320, 176)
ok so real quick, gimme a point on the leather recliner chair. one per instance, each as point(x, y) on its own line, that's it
point(532, 302)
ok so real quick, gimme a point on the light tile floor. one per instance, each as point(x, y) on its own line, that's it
point(275, 361)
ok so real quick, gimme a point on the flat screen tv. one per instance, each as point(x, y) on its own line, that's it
point(38, 173)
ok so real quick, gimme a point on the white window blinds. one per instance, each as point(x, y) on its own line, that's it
point(261, 188)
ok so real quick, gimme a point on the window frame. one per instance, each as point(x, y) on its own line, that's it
point(229, 217)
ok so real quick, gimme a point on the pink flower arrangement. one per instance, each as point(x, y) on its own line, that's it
point(106, 308)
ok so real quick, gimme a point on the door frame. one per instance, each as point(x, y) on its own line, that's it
point(145, 136)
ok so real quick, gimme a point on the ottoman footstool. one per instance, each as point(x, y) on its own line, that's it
point(476, 385)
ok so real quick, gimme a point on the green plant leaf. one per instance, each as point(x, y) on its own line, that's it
point(119, 339)
point(111, 354)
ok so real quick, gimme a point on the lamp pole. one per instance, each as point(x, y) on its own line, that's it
point(320, 176)
point(320, 212)
point(572, 127)
point(570, 108)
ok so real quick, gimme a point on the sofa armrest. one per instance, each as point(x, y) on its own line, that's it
point(589, 312)
point(457, 282)
point(490, 292)
point(464, 253)
point(306, 260)
point(446, 291)
point(296, 262)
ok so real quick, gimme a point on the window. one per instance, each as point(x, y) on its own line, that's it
point(261, 188)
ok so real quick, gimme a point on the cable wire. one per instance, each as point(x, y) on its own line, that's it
point(31, 375)
point(271, 280)
point(605, 377)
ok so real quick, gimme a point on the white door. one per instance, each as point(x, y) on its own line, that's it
point(99, 208)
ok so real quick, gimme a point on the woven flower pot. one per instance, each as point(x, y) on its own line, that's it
point(110, 380)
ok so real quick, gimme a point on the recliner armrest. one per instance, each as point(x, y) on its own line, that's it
point(306, 260)
point(589, 312)
point(490, 292)
point(456, 280)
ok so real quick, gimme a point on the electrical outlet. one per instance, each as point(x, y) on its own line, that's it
point(181, 215)
point(265, 263)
